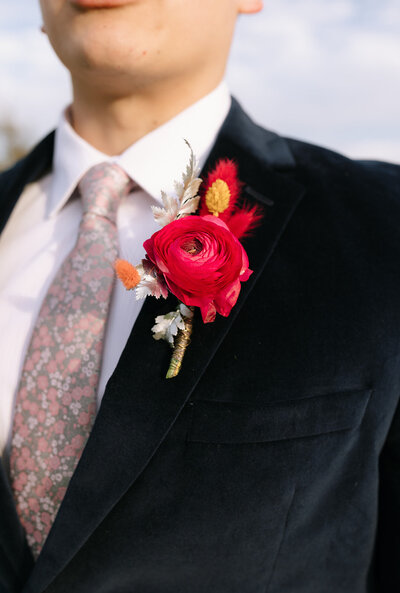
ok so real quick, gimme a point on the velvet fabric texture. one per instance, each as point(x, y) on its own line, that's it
point(271, 464)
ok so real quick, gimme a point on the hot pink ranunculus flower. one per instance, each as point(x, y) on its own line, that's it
point(202, 262)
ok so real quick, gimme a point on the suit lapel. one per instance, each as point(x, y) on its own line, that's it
point(140, 405)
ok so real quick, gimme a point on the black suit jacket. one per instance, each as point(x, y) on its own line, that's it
point(271, 463)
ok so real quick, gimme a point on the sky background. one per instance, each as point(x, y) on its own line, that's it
point(325, 71)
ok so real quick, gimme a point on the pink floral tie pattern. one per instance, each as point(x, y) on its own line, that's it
point(56, 400)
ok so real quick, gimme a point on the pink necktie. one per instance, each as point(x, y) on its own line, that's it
point(56, 400)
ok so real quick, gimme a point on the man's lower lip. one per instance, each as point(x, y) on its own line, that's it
point(101, 3)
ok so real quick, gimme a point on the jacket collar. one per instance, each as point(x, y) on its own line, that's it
point(31, 168)
point(123, 439)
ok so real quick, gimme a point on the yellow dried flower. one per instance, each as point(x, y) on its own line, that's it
point(217, 197)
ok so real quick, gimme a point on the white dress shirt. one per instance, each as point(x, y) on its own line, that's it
point(43, 229)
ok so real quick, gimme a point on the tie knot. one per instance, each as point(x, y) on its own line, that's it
point(102, 188)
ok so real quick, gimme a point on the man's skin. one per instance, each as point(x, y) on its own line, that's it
point(135, 64)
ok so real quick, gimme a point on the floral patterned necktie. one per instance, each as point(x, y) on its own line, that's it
point(56, 399)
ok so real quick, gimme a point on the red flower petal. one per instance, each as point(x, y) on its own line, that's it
point(202, 263)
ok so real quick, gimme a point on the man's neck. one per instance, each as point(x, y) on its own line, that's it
point(113, 123)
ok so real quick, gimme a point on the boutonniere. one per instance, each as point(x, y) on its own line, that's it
point(199, 259)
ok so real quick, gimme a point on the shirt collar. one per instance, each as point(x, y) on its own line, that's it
point(154, 162)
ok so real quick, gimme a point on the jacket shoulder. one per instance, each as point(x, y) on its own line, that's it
point(29, 168)
point(324, 167)
point(353, 201)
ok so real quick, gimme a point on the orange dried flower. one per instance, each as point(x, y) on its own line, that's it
point(127, 273)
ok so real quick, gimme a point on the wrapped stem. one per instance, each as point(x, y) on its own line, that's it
point(181, 342)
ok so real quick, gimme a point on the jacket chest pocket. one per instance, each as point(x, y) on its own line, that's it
point(229, 422)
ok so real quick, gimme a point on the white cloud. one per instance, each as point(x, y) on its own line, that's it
point(378, 149)
point(327, 72)
point(36, 84)
point(389, 16)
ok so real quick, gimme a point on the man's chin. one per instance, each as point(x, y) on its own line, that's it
point(110, 51)
point(108, 77)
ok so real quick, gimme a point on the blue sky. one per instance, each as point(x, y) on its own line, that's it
point(327, 71)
